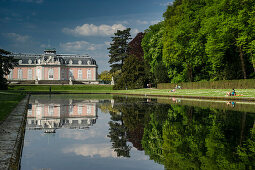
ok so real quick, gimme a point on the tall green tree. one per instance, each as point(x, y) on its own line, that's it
point(152, 45)
point(118, 50)
point(7, 62)
point(135, 71)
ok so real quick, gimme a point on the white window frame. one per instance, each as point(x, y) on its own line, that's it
point(51, 74)
point(80, 109)
point(88, 109)
point(80, 74)
point(89, 74)
point(20, 74)
point(29, 74)
point(29, 111)
point(51, 109)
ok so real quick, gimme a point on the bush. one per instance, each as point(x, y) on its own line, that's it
point(223, 84)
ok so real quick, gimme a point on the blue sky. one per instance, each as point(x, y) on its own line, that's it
point(73, 26)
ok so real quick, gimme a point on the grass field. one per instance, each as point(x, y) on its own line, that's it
point(108, 89)
point(8, 101)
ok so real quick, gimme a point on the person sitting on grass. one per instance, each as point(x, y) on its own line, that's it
point(172, 90)
point(233, 92)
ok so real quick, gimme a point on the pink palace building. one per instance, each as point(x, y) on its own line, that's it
point(52, 66)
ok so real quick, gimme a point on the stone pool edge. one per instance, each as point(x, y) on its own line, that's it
point(12, 132)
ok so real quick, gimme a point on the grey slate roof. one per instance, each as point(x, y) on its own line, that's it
point(62, 58)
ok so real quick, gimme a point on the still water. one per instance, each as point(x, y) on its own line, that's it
point(101, 132)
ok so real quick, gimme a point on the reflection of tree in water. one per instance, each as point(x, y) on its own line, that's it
point(118, 135)
point(128, 120)
point(195, 138)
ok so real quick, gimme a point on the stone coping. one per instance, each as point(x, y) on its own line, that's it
point(12, 131)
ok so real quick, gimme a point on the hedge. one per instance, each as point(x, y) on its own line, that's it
point(223, 84)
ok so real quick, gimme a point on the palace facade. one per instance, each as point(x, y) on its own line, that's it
point(52, 66)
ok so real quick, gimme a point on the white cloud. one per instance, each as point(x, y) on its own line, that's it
point(166, 4)
point(91, 150)
point(154, 22)
point(17, 37)
point(93, 30)
point(80, 46)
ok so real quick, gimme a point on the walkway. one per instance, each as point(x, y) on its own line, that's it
point(11, 136)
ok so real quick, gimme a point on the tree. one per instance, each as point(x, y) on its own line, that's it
point(7, 62)
point(135, 71)
point(118, 50)
point(106, 76)
point(152, 45)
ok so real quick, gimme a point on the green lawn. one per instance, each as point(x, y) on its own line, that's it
point(8, 101)
point(108, 89)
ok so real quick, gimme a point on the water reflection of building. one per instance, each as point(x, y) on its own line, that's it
point(52, 114)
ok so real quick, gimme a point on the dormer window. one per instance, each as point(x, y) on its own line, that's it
point(70, 62)
point(29, 61)
point(20, 61)
point(79, 62)
point(88, 62)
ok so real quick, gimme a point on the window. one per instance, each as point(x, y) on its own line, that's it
point(79, 62)
point(29, 74)
point(29, 111)
point(51, 109)
point(29, 61)
point(20, 76)
point(88, 109)
point(50, 72)
point(89, 74)
point(79, 74)
point(79, 109)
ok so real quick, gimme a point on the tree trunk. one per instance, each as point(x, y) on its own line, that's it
point(242, 62)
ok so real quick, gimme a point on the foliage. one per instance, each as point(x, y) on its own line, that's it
point(203, 40)
point(118, 50)
point(152, 45)
point(196, 138)
point(106, 76)
point(135, 71)
point(7, 62)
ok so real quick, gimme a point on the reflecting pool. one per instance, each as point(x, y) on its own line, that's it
point(101, 132)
